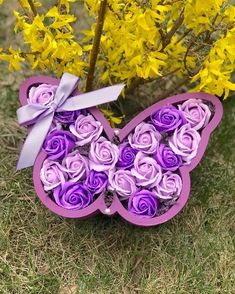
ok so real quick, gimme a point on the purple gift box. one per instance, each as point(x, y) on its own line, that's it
point(141, 172)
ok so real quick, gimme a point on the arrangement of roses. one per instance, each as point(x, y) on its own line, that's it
point(143, 171)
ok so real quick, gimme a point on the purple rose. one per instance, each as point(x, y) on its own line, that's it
point(167, 119)
point(145, 138)
point(76, 166)
point(67, 117)
point(126, 156)
point(196, 113)
point(123, 182)
point(52, 175)
point(143, 203)
point(86, 129)
point(73, 196)
point(43, 94)
point(96, 182)
point(170, 186)
point(167, 159)
point(184, 142)
point(58, 144)
point(146, 170)
point(103, 155)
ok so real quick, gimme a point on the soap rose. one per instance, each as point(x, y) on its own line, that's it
point(103, 155)
point(76, 166)
point(72, 196)
point(184, 142)
point(167, 119)
point(145, 138)
point(43, 94)
point(52, 175)
point(167, 159)
point(58, 144)
point(126, 156)
point(170, 186)
point(86, 129)
point(123, 182)
point(196, 113)
point(143, 203)
point(67, 117)
point(96, 182)
point(146, 170)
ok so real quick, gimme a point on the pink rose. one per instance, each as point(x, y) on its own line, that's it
point(196, 113)
point(145, 138)
point(146, 170)
point(52, 175)
point(184, 142)
point(123, 182)
point(76, 166)
point(43, 94)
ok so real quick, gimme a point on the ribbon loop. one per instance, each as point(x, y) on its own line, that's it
point(42, 116)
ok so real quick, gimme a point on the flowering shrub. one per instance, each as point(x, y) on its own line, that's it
point(143, 171)
point(134, 42)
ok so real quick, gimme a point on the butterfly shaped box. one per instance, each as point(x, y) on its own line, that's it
point(141, 172)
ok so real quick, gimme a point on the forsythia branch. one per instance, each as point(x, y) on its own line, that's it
point(96, 45)
point(33, 8)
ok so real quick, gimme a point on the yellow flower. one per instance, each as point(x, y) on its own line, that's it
point(111, 118)
point(13, 57)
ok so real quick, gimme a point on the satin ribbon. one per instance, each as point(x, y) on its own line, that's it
point(41, 116)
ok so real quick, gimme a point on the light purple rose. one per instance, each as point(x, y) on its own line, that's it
point(145, 138)
point(126, 156)
point(167, 159)
point(72, 196)
point(76, 166)
point(167, 119)
point(196, 113)
point(96, 182)
point(58, 144)
point(86, 129)
point(103, 155)
point(169, 187)
point(66, 117)
point(184, 142)
point(143, 203)
point(43, 94)
point(146, 170)
point(52, 175)
point(123, 182)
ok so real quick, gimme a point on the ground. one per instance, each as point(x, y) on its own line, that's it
point(41, 253)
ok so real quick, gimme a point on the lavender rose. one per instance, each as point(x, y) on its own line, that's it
point(86, 129)
point(96, 182)
point(52, 175)
point(169, 187)
point(184, 142)
point(103, 155)
point(126, 156)
point(44, 94)
point(167, 159)
point(143, 203)
point(76, 166)
point(73, 196)
point(146, 170)
point(196, 113)
point(58, 144)
point(123, 182)
point(145, 138)
point(167, 119)
point(67, 117)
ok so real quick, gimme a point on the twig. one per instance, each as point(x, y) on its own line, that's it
point(32, 6)
point(175, 27)
point(30, 16)
point(96, 45)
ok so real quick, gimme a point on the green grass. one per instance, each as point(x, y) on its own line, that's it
point(43, 253)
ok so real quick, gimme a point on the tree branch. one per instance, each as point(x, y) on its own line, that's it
point(32, 6)
point(96, 45)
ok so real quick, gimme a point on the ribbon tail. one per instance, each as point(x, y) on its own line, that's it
point(34, 142)
point(93, 98)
